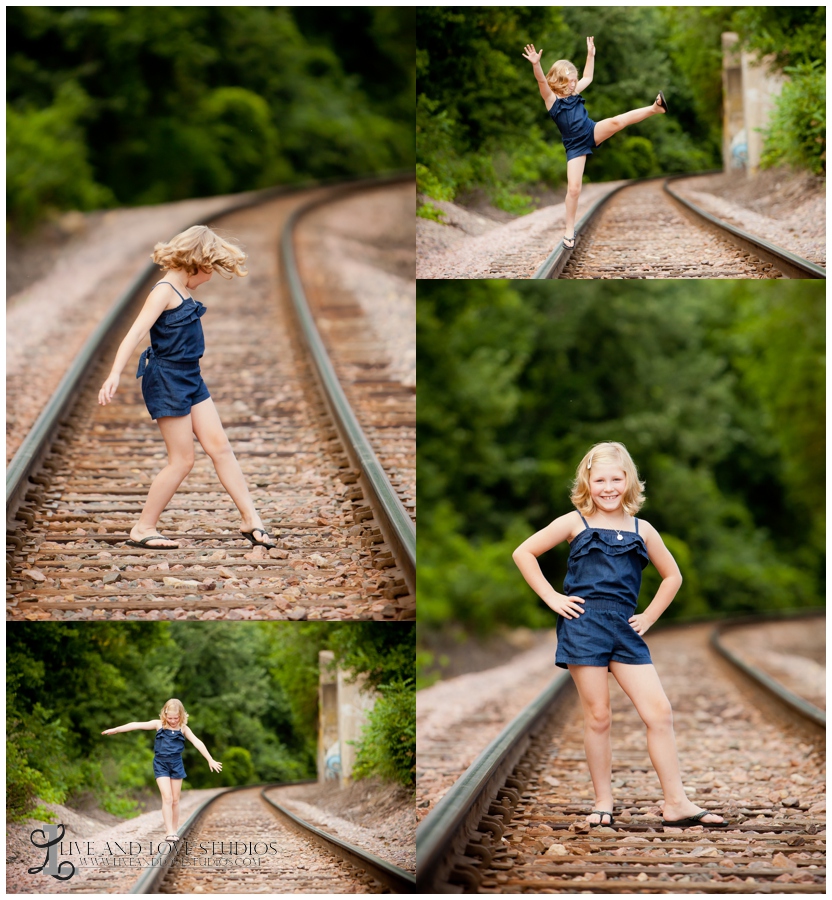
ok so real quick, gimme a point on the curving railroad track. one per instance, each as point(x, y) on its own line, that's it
point(513, 822)
point(333, 480)
point(647, 230)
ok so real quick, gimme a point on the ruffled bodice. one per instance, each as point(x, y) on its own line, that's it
point(169, 742)
point(605, 568)
point(176, 336)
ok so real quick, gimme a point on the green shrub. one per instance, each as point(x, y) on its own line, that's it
point(796, 133)
point(237, 767)
point(429, 211)
point(388, 743)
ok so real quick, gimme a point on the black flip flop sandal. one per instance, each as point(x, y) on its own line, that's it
point(267, 544)
point(601, 813)
point(569, 246)
point(690, 821)
point(663, 102)
point(143, 545)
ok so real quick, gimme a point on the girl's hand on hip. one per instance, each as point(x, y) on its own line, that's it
point(640, 623)
point(531, 54)
point(215, 766)
point(108, 390)
point(568, 607)
point(590, 46)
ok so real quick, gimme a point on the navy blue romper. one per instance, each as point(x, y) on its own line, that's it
point(606, 572)
point(577, 130)
point(167, 763)
point(169, 368)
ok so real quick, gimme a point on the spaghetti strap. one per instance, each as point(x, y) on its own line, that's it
point(168, 283)
point(636, 521)
point(586, 524)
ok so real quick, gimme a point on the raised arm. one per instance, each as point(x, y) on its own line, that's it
point(666, 566)
point(152, 725)
point(213, 765)
point(545, 91)
point(525, 557)
point(153, 307)
point(589, 68)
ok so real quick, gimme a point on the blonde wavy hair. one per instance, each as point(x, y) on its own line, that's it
point(200, 248)
point(609, 452)
point(183, 716)
point(558, 76)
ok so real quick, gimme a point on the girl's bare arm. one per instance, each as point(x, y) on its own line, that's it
point(213, 765)
point(153, 307)
point(666, 566)
point(589, 68)
point(525, 557)
point(152, 725)
point(533, 56)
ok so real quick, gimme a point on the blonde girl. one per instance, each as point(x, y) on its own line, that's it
point(598, 628)
point(171, 731)
point(561, 92)
point(172, 386)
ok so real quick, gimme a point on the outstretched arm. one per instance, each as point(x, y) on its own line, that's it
point(213, 765)
point(152, 725)
point(545, 91)
point(589, 68)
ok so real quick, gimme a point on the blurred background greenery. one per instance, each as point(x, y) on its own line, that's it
point(715, 387)
point(136, 105)
point(480, 123)
point(251, 690)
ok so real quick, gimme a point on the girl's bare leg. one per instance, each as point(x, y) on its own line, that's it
point(574, 177)
point(209, 432)
point(175, 791)
point(594, 691)
point(641, 684)
point(608, 127)
point(178, 435)
point(167, 801)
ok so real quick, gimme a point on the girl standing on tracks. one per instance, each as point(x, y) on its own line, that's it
point(171, 730)
point(172, 386)
point(598, 628)
point(561, 92)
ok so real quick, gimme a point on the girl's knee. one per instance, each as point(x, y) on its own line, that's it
point(574, 191)
point(219, 451)
point(182, 464)
point(598, 718)
point(660, 715)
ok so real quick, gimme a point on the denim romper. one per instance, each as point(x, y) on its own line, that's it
point(169, 368)
point(167, 763)
point(577, 130)
point(606, 572)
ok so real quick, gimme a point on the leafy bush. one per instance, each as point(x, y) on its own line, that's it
point(388, 740)
point(429, 211)
point(237, 767)
point(796, 133)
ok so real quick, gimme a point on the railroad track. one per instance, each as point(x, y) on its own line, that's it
point(647, 230)
point(513, 823)
point(347, 540)
point(265, 849)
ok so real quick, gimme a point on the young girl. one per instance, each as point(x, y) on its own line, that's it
point(172, 386)
point(171, 730)
point(598, 627)
point(561, 92)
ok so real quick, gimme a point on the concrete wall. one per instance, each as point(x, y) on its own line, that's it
point(342, 713)
point(749, 90)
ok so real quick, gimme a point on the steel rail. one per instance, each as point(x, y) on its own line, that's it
point(32, 452)
point(806, 710)
point(790, 264)
point(395, 523)
point(397, 879)
point(442, 836)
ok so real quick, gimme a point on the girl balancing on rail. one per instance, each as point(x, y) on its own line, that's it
point(172, 386)
point(561, 92)
point(171, 730)
point(598, 628)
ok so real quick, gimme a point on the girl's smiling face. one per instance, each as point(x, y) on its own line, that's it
point(172, 717)
point(607, 486)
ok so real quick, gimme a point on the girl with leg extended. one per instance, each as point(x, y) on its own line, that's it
point(598, 628)
point(561, 92)
point(171, 731)
point(172, 386)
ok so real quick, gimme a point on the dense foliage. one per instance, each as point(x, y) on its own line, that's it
point(146, 104)
point(250, 690)
point(481, 124)
point(717, 389)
